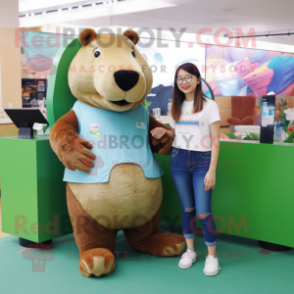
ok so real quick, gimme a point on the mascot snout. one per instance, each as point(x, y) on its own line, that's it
point(126, 79)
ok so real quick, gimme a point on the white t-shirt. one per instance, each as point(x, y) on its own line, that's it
point(192, 131)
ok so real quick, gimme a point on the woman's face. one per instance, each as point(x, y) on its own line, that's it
point(187, 82)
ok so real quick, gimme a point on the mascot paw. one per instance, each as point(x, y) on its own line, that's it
point(164, 244)
point(97, 262)
point(174, 244)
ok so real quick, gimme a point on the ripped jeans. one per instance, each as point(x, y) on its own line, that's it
point(188, 170)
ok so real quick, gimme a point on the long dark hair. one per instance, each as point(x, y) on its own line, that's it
point(179, 96)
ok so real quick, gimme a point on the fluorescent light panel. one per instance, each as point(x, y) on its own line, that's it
point(32, 5)
point(120, 7)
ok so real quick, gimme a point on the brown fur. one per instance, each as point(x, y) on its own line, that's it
point(85, 227)
point(87, 36)
point(132, 35)
point(145, 238)
point(71, 150)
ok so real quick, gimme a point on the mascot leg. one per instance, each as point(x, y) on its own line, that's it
point(147, 238)
point(95, 242)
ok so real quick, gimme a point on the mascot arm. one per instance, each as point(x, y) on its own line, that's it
point(71, 149)
point(164, 144)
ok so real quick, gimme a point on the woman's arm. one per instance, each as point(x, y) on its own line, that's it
point(158, 132)
point(210, 178)
point(215, 131)
point(161, 137)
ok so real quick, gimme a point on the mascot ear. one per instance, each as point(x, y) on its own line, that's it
point(86, 36)
point(132, 35)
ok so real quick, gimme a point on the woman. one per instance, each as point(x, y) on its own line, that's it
point(195, 127)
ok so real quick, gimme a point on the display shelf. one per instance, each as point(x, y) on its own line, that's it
point(5, 121)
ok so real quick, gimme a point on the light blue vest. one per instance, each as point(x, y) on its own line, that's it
point(117, 137)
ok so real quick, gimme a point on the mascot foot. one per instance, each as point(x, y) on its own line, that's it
point(157, 244)
point(166, 244)
point(97, 262)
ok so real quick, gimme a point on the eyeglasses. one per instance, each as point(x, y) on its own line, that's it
point(188, 79)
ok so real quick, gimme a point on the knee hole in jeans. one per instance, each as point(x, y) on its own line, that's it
point(203, 215)
point(189, 209)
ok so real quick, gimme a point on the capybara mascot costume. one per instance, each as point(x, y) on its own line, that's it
point(113, 181)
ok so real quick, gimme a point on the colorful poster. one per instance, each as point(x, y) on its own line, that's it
point(240, 71)
point(37, 52)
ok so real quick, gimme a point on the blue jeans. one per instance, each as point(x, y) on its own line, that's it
point(188, 170)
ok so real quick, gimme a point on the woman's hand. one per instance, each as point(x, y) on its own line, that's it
point(209, 180)
point(162, 138)
point(158, 132)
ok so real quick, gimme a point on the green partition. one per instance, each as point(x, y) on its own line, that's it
point(59, 97)
point(253, 196)
point(33, 196)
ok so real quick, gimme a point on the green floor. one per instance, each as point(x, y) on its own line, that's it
point(138, 273)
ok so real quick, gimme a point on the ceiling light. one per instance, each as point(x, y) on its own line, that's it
point(122, 7)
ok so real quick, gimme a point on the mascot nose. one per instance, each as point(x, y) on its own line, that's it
point(126, 79)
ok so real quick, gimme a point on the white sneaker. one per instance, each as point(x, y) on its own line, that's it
point(187, 259)
point(211, 266)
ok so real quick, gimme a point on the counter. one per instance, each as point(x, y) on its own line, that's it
point(32, 192)
point(253, 196)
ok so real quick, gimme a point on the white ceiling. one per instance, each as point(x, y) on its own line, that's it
point(262, 15)
point(27, 5)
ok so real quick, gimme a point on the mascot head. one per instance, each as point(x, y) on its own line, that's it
point(108, 72)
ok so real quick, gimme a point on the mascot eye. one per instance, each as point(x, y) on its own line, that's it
point(97, 52)
point(133, 53)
